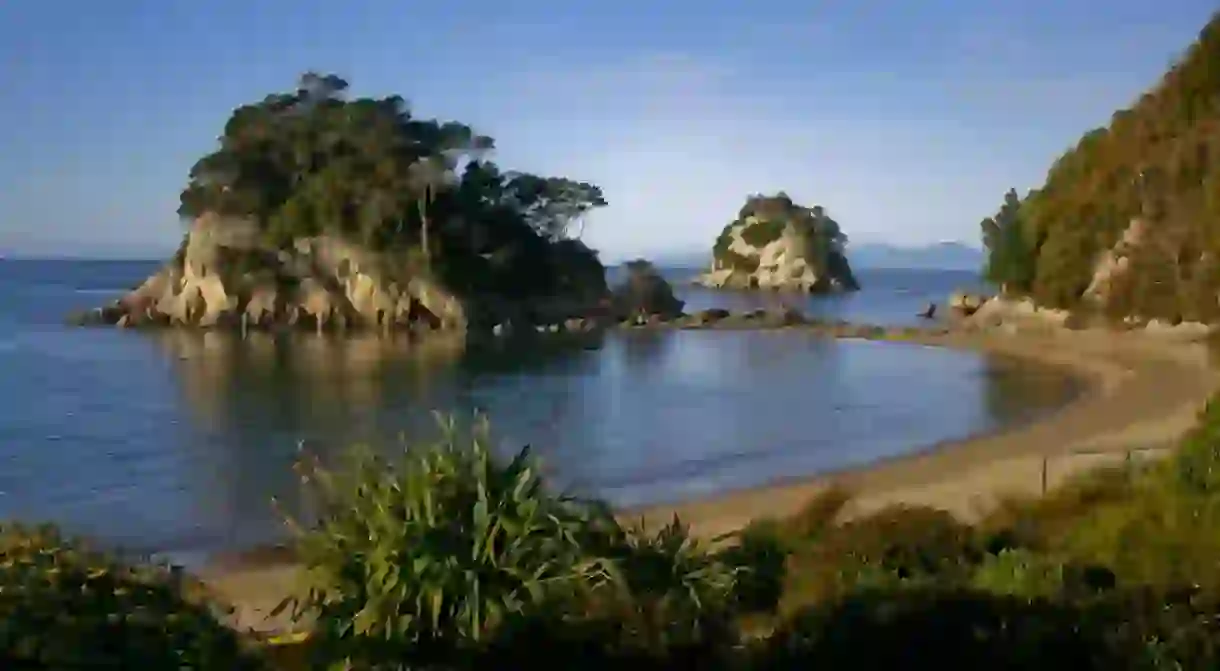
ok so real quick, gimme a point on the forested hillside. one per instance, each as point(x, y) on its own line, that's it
point(1129, 219)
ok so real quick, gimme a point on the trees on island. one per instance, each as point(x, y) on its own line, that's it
point(316, 160)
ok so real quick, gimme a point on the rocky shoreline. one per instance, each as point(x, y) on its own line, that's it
point(982, 314)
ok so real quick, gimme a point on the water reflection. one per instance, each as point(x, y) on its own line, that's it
point(636, 417)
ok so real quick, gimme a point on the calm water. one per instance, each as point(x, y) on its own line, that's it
point(176, 442)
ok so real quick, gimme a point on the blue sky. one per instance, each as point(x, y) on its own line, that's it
point(907, 120)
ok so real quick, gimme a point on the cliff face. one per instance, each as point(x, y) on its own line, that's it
point(225, 276)
point(776, 244)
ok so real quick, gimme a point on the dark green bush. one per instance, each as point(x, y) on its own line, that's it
point(669, 598)
point(65, 606)
point(739, 262)
point(1042, 523)
point(931, 628)
point(762, 553)
point(760, 233)
point(898, 544)
point(1197, 462)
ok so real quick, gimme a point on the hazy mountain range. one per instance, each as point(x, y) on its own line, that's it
point(939, 256)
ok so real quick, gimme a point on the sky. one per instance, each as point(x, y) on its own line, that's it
point(906, 120)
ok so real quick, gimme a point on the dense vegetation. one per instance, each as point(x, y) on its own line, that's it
point(66, 606)
point(763, 219)
point(644, 292)
point(313, 161)
point(1157, 161)
point(447, 557)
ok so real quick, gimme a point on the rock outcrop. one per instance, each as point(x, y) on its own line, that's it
point(224, 275)
point(644, 294)
point(1113, 264)
point(776, 244)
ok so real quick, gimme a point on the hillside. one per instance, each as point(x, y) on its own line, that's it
point(1127, 221)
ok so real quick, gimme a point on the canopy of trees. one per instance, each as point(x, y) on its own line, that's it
point(1158, 161)
point(313, 161)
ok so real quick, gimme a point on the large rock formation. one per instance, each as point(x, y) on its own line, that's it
point(776, 244)
point(225, 275)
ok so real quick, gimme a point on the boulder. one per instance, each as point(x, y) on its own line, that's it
point(225, 275)
point(645, 293)
point(965, 303)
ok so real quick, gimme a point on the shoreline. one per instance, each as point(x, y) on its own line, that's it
point(1138, 391)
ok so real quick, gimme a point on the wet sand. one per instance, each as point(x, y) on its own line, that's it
point(1143, 392)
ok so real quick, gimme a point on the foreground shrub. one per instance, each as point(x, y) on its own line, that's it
point(1028, 574)
point(669, 604)
point(1040, 523)
point(65, 606)
point(925, 628)
point(447, 556)
point(762, 552)
point(1159, 538)
point(419, 559)
point(1195, 468)
point(1019, 573)
point(898, 543)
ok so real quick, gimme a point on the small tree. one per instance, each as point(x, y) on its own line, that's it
point(1010, 258)
point(645, 292)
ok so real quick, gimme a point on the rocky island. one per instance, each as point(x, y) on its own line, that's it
point(777, 244)
point(324, 212)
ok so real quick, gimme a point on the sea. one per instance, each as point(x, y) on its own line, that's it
point(176, 443)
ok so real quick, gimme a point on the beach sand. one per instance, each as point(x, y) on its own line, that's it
point(1143, 392)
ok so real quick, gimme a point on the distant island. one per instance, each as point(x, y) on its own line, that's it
point(777, 244)
point(939, 256)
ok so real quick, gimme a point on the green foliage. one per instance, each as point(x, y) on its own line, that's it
point(669, 595)
point(1010, 256)
point(420, 558)
point(445, 555)
point(761, 550)
point(65, 606)
point(1155, 161)
point(759, 233)
point(1040, 523)
point(1019, 572)
point(935, 628)
point(1196, 467)
point(897, 543)
point(312, 161)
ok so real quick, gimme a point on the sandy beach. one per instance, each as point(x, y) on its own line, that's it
point(1142, 393)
